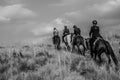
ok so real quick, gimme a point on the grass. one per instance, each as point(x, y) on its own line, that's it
point(43, 62)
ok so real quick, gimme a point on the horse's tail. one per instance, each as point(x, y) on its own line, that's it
point(110, 51)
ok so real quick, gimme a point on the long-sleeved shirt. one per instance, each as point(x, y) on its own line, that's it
point(77, 31)
point(55, 32)
point(66, 31)
point(94, 31)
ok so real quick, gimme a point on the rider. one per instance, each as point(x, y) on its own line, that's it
point(55, 33)
point(94, 33)
point(77, 30)
point(65, 32)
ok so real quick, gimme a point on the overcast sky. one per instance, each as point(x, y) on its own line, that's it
point(29, 19)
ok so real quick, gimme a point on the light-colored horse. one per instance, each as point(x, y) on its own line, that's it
point(68, 41)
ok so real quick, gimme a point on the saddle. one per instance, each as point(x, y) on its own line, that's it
point(78, 37)
point(98, 38)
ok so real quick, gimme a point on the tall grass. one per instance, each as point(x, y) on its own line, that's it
point(43, 62)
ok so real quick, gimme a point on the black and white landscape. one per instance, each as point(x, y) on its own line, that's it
point(26, 31)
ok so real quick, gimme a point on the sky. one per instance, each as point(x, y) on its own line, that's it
point(22, 20)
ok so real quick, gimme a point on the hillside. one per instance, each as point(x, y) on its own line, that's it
point(43, 62)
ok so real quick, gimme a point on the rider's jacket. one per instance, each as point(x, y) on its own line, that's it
point(94, 32)
point(55, 32)
point(66, 31)
point(77, 31)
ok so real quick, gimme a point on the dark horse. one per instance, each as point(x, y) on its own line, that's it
point(78, 41)
point(56, 42)
point(102, 46)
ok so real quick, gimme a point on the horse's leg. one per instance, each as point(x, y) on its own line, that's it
point(79, 50)
point(68, 47)
point(55, 46)
point(91, 54)
point(73, 48)
point(95, 56)
point(91, 51)
point(83, 50)
point(91, 48)
point(109, 60)
point(108, 63)
point(58, 46)
point(99, 56)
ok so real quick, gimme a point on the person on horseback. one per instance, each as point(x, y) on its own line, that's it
point(56, 38)
point(78, 40)
point(55, 32)
point(77, 30)
point(65, 32)
point(94, 34)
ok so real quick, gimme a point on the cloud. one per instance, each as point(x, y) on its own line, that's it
point(16, 11)
point(108, 6)
point(4, 19)
point(46, 28)
point(79, 3)
point(41, 29)
point(107, 14)
point(66, 2)
point(13, 1)
point(109, 11)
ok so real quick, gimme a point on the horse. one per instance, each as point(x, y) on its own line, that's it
point(56, 42)
point(68, 41)
point(78, 41)
point(102, 46)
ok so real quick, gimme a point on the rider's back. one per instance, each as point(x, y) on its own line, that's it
point(77, 31)
point(95, 32)
point(55, 33)
point(66, 31)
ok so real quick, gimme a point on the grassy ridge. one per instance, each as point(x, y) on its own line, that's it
point(43, 62)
